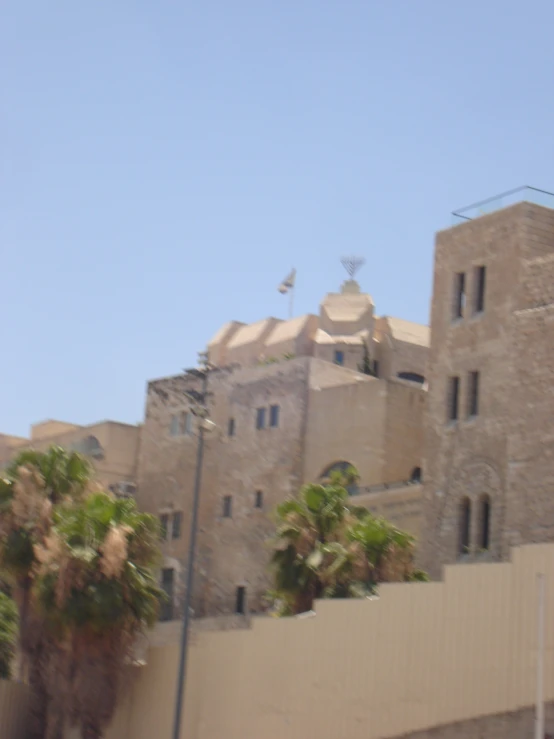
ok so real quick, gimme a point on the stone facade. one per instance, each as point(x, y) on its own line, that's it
point(112, 448)
point(328, 412)
point(489, 473)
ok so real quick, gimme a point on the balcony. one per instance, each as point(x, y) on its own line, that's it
point(526, 194)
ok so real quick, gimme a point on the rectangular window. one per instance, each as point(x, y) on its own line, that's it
point(164, 525)
point(479, 281)
point(186, 423)
point(473, 395)
point(166, 610)
point(273, 416)
point(260, 418)
point(174, 429)
point(459, 295)
point(339, 356)
point(176, 525)
point(231, 427)
point(259, 499)
point(376, 367)
point(453, 398)
point(227, 506)
point(241, 600)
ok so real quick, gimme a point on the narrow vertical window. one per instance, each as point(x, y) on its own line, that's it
point(260, 418)
point(241, 600)
point(459, 295)
point(174, 429)
point(473, 395)
point(231, 427)
point(164, 525)
point(480, 275)
point(339, 356)
point(186, 423)
point(176, 525)
point(273, 416)
point(376, 367)
point(166, 610)
point(227, 506)
point(453, 398)
point(259, 499)
point(484, 538)
point(465, 526)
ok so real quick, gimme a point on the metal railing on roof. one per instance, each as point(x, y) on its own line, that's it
point(526, 193)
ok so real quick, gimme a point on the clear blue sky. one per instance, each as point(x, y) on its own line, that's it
point(164, 164)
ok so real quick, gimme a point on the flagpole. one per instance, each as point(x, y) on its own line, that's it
point(539, 718)
point(291, 302)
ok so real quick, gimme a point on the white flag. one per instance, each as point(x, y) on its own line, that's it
point(288, 282)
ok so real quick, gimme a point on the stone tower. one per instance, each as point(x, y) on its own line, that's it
point(489, 455)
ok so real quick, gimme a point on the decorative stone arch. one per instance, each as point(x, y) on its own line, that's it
point(90, 447)
point(478, 481)
point(340, 466)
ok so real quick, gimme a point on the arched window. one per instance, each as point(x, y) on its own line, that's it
point(90, 447)
point(485, 522)
point(411, 377)
point(465, 526)
point(344, 468)
point(415, 477)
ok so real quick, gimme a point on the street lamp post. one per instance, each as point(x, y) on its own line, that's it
point(200, 399)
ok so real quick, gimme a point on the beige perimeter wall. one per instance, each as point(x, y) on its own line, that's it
point(424, 654)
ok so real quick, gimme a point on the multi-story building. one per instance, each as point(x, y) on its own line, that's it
point(112, 447)
point(291, 400)
point(489, 459)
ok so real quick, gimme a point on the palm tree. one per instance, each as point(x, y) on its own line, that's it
point(29, 487)
point(8, 635)
point(326, 548)
point(97, 593)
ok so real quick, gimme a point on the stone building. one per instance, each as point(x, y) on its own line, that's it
point(489, 469)
point(112, 447)
point(290, 402)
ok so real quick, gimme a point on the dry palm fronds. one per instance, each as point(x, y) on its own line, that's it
point(114, 551)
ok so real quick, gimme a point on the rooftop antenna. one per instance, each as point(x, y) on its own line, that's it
point(352, 265)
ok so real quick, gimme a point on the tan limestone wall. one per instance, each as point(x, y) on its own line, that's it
point(346, 422)
point(231, 551)
point(404, 435)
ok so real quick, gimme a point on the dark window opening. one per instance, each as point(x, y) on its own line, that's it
point(176, 527)
point(231, 427)
point(484, 542)
point(416, 475)
point(479, 295)
point(473, 395)
point(241, 600)
point(465, 526)
point(412, 377)
point(166, 610)
point(376, 367)
point(273, 416)
point(339, 356)
point(227, 506)
point(453, 398)
point(260, 418)
point(459, 295)
point(164, 525)
point(259, 499)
